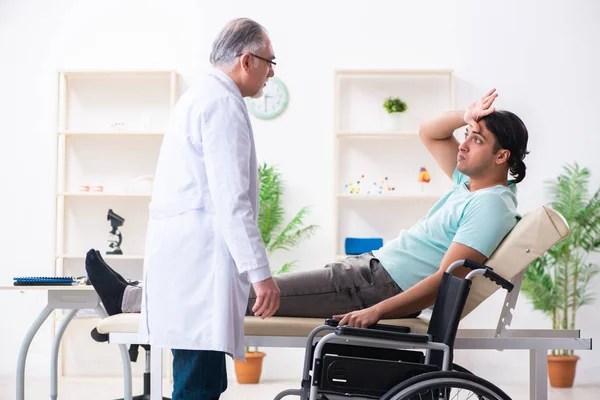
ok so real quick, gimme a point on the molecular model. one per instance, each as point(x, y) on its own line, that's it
point(362, 186)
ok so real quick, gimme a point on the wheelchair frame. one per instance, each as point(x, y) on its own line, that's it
point(374, 337)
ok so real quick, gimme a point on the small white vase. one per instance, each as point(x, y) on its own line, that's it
point(394, 121)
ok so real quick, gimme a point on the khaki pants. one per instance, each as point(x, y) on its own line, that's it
point(352, 284)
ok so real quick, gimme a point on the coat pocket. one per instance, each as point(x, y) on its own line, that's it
point(169, 209)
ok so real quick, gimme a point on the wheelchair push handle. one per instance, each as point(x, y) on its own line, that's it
point(488, 272)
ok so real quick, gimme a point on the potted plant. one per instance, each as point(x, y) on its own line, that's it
point(558, 282)
point(276, 237)
point(395, 107)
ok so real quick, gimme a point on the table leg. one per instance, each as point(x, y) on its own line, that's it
point(54, 356)
point(538, 375)
point(25, 348)
point(127, 390)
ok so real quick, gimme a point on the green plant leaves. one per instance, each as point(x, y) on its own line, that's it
point(557, 283)
point(271, 217)
point(394, 105)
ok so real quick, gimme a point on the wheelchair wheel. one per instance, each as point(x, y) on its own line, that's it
point(458, 368)
point(445, 385)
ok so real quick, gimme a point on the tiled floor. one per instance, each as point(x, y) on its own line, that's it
point(106, 389)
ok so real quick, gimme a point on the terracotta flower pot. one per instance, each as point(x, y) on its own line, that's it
point(561, 370)
point(249, 371)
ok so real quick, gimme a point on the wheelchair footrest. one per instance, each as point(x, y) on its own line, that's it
point(366, 376)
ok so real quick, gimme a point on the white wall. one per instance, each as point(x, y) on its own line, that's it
point(542, 59)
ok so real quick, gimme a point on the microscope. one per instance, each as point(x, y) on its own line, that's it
point(114, 236)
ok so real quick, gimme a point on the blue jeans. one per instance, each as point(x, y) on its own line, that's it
point(198, 374)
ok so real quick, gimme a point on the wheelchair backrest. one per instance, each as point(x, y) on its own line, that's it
point(449, 303)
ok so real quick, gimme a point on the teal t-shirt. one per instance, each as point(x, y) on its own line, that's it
point(479, 219)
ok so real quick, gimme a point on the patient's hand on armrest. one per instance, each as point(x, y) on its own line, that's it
point(360, 319)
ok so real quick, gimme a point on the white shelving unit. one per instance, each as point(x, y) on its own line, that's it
point(382, 160)
point(110, 129)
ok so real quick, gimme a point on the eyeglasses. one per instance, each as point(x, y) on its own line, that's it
point(271, 62)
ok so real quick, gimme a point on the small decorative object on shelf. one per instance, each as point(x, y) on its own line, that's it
point(395, 107)
point(384, 186)
point(114, 236)
point(355, 246)
point(352, 188)
point(424, 177)
point(360, 186)
point(91, 188)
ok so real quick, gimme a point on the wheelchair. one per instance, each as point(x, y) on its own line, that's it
point(389, 363)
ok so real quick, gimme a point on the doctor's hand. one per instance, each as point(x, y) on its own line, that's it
point(267, 298)
point(359, 319)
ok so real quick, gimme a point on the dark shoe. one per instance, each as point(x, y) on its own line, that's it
point(109, 287)
point(100, 259)
point(99, 337)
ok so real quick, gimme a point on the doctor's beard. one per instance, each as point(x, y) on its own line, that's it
point(259, 93)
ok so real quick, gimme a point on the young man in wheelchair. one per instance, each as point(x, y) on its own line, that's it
point(402, 277)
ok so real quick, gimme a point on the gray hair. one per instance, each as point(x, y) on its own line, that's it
point(239, 36)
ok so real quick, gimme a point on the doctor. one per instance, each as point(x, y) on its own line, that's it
point(204, 248)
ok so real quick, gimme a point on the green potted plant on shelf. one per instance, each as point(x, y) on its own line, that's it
point(394, 107)
point(557, 283)
point(276, 237)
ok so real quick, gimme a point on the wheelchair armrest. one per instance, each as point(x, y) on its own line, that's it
point(380, 327)
point(379, 334)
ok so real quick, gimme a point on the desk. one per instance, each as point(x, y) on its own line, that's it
point(71, 298)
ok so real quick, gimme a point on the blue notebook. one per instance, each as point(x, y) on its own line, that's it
point(44, 281)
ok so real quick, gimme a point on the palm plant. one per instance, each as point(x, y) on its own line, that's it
point(271, 217)
point(558, 282)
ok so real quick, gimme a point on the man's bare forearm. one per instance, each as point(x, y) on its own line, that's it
point(417, 298)
point(443, 126)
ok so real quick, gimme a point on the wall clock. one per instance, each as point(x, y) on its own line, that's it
point(273, 101)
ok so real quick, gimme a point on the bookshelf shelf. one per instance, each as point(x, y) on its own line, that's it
point(374, 154)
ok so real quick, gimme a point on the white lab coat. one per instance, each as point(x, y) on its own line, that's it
point(203, 247)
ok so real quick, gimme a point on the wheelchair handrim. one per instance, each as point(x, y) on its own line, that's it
point(447, 383)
